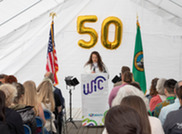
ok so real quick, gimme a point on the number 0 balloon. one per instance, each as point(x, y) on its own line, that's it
point(105, 31)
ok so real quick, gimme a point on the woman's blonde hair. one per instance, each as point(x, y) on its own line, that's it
point(10, 92)
point(45, 93)
point(30, 96)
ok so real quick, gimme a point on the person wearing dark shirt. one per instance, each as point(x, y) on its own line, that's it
point(12, 118)
point(14, 121)
point(59, 93)
point(173, 122)
point(57, 104)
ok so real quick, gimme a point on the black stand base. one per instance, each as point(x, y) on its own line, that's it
point(71, 121)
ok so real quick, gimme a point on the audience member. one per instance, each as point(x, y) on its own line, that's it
point(127, 91)
point(46, 97)
point(128, 113)
point(123, 120)
point(172, 107)
point(169, 92)
point(12, 118)
point(173, 122)
point(2, 78)
point(160, 96)
point(123, 70)
point(150, 124)
point(59, 102)
point(26, 112)
point(127, 78)
point(95, 64)
point(153, 89)
point(11, 79)
point(136, 84)
point(31, 92)
point(4, 129)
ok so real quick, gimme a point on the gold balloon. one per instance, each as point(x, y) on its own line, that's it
point(118, 32)
point(87, 30)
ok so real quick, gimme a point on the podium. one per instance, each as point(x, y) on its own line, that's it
point(94, 89)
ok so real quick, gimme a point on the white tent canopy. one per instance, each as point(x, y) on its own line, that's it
point(24, 32)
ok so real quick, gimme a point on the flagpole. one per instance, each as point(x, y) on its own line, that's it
point(138, 62)
point(53, 14)
point(137, 20)
point(137, 16)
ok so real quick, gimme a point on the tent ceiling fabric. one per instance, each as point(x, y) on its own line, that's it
point(170, 10)
point(14, 9)
point(14, 14)
point(17, 45)
point(24, 40)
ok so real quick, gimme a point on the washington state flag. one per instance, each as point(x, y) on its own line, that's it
point(138, 61)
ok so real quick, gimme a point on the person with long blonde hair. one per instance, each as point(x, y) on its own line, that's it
point(46, 97)
point(45, 94)
point(31, 99)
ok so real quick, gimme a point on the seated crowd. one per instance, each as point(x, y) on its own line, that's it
point(133, 112)
point(22, 103)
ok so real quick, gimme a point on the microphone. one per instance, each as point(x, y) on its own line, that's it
point(94, 69)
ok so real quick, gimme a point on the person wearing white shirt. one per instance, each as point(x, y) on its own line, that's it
point(95, 64)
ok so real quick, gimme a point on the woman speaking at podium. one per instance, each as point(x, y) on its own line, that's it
point(95, 64)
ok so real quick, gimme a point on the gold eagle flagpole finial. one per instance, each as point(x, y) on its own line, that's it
point(53, 15)
point(137, 20)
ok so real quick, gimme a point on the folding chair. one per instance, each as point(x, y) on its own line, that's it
point(27, 129)
point(40, 123)
point(64, 123)
point(47, 115)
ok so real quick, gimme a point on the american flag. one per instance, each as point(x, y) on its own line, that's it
point(52, 61)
